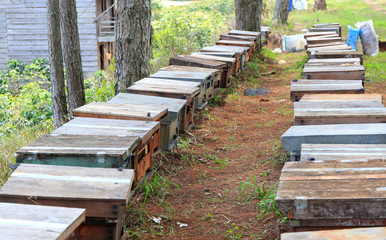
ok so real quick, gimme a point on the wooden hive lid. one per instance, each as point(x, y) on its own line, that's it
point(34, 222)
point(81, 145)
point(108, 127)
point(173, 105)
point(342, 97)
point(103, 192)
point(201, 77)
point(212, 63)
point(121, 111)
point(241, 32)
point(189, 69)
point(374, 233)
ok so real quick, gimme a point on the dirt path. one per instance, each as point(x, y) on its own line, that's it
point(235, 146)
point(377, 5)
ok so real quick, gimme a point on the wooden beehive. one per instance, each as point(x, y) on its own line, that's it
point(341, 72)
point(186, 63)
point(170, 89)
point(369, 133)
point(103, 192)
point(333, 193)
point(315, 113)
point(148, 133)
point(342, 97)
point(239, 52)
point(253, 39)
point(374, 233)
point(79, 150)
point(250, 45)
point(335, 152)
point(170, 124)
point(34, 222)
point(204, 78)
point(305, 86)
point(225, 56)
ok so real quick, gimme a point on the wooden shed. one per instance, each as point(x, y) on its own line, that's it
point(23, 31)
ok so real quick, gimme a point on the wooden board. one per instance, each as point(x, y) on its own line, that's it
point(301, 87)
point(238, 38)
point(337, 152)
point(316, 34)
point(375, 233)
point(341, 47)
point(206, 80)
point(165, 88)
point(336, 54)
point(103, 192)
point(240, 52)
point(318, 40)
point(335, 115)
point(326, 44)
point(33, 222)
point(342, 97)
point(170, 124)
point(249, 45)
point(351, 72)
point(121, 111)
point(334, 61)
point(79, 150)
point(344, 191)
point(186, 63)
point(233, 63)
point(370, 133)
point(245, 33)
point(329, 29)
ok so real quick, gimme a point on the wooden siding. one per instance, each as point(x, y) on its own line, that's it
point(23, 32)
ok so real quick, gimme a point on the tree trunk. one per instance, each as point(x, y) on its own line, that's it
point(133, 42)
point(58, 88)
point(280, 14)
point(248, 14)
point(71, 52)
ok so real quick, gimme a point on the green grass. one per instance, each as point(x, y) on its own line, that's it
point(345, 12)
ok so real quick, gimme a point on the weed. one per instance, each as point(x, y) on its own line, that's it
point(184, 143)
point(222, 162)
point(159, 187)
point(284, 111)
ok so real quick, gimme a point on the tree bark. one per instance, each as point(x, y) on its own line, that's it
point(280, 14)
point(133, 42)
point(248, 14)
point(58, 88)
point(71, 53)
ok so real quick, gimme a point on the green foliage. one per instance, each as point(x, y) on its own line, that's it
point(184, 29)
point(99, 87)
point(375, 67)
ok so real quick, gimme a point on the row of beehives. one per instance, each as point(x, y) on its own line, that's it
point(92, 161)
point(337, 176)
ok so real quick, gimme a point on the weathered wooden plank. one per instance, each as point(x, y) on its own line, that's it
point(333, 190)
point(170, 124)
point(339, 43)
point(245, 33)
point(375, 233)
point(79, 150)
point(316, 34)
point(102, 192)
point(342, 97)
point(318, 40)
point(206, 80)
point(239, 51)
point(371, 133)
point(121, 111)
point(342, 72)
point(336, 54)
point(342, 152)
point(22, 221)
point(342, 47)
point(301, 87)
point(238, 37)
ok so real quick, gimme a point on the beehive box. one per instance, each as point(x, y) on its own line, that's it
point(250, 45)
point(186, 63)
point(375, 233)
point(205, 79)
point(253, 39)
point(369, 133)
point(376, 98)
point(351, 152)
point(170, 89)
point(103, 192)
point(140, 160)
point(315, 113)
point(234, 58)
point(333, 193)
point(239, 52)
point(34, 222)
point(170, 124)
point(305, 86)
